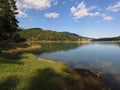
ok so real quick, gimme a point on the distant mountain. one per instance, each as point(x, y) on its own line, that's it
point(117, 38)
point(75, 35)
point(108, 39)
point(71, 34)
point(104, 39)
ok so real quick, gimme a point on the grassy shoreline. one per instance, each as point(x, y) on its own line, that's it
point(84, 41)
point(24, 71)
point(18, 47)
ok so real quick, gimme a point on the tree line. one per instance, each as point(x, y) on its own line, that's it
point(8, 21)
point(37, 34)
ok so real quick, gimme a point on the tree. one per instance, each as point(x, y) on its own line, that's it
point(8, 21)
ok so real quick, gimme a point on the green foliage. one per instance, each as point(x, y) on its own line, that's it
point(8, 22)
point(36, 34)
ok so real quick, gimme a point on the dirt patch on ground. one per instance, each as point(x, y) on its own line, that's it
point(20, 47)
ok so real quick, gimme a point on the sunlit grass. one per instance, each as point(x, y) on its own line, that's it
point(26, 72)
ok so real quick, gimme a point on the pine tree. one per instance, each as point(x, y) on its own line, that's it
point(8, 22)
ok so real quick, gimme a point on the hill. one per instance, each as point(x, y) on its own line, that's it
point(117, 38)
point(104, 39)
point(108, 39)
point(72, 34)
point(75, 35)
point(38, 34)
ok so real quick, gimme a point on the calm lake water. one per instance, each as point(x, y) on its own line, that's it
point(96, 56)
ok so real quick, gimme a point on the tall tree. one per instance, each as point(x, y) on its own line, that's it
point(8, 22)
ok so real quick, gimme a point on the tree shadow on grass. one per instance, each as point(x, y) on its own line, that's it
point(12, 45)
point(46, 79)
point(9, 83)
point(110, 80)
point(11, 58)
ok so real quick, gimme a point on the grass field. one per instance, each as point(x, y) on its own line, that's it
point(26, 72)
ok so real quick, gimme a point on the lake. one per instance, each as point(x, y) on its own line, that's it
point(96, 56)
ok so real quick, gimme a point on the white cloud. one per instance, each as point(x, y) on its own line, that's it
point(94, 14)
point(21, 14)
point(82, 11)
point(104, 16)
point(73, 9)
point(92, 8)
point(51, 15)
point(108, 18)
point(34, 4)
point(114, 8)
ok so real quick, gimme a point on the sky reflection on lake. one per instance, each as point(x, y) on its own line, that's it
point(100, 56)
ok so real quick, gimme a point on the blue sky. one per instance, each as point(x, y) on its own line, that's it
point(91, 18)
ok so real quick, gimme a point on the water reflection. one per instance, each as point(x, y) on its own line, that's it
point(97, 56)
point(111, 80)
point(57, 47)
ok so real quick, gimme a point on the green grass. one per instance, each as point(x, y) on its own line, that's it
point(26, 72)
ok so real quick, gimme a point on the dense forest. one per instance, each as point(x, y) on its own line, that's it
point(8, 21)
point(38, 34)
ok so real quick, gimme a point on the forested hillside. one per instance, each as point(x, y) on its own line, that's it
point(37, 34)
point(108, 39)
point(117, 38)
